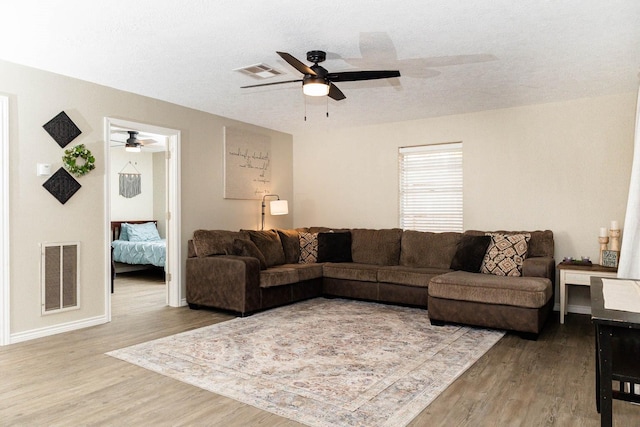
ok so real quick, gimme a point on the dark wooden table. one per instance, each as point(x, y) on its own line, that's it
point(617, 353)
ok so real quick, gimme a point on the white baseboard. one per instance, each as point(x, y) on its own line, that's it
point(56, 329)
point(574, 308)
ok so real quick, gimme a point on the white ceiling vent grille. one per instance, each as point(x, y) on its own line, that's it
point(259, 71)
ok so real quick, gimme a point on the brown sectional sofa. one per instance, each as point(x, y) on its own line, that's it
point(413, 268)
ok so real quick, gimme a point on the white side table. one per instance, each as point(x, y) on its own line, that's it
point(579, 275)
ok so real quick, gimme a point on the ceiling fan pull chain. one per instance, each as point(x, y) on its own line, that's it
point(305, 108)
point(327, 107)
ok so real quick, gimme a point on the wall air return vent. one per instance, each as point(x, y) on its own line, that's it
point(259, 71)
point(59, 275)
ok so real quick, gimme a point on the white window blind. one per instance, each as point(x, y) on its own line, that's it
point(431, 187)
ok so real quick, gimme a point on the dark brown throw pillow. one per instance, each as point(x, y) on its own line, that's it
point(268, 241)
point(334, 247)
point(248, 248)
point(290, 245)
point(470, 253)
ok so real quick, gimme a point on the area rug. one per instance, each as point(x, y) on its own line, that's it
point(322, 362)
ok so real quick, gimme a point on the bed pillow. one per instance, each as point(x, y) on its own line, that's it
point(506, 254)
point(124, 231)
point(146, 232)
point(470, 252)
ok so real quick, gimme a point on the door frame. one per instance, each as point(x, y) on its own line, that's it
point(5, 306)
point(174, 257)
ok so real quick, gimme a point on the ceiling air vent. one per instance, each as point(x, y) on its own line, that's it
point(259, 71)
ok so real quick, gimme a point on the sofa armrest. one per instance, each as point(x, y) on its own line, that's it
point(540, 267)
point(224, 281)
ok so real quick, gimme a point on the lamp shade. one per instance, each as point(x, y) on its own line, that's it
point(279, 207)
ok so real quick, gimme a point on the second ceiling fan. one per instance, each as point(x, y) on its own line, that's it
point(317, 81)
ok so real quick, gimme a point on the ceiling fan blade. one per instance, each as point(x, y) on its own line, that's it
point(295, 63)
point(351, 76)
point(335, 93)
point(271, 84)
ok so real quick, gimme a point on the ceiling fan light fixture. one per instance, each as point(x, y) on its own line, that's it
point(132, 148)
point(315, 86)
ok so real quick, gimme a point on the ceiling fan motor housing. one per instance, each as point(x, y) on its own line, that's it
point(316, 56)
point(132, 141)
point(132, 137)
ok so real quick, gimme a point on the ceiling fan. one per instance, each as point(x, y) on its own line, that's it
point(132, 143)
point(317, 81)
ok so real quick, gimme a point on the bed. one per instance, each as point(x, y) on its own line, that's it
point(136, 245)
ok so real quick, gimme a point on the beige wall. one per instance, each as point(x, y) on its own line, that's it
point(561, 166)
point(35, 97)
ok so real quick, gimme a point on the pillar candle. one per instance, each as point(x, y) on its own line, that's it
point(614, 225)
point(603, 232)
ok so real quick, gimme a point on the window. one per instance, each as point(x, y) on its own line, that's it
point(431, 187)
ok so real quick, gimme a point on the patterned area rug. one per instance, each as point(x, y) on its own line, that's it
point(322, 362)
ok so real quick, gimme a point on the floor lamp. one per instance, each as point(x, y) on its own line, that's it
point(276, 207)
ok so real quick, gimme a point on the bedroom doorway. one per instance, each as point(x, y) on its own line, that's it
point(142, 182)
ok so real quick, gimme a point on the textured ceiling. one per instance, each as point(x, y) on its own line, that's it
point(454, 56)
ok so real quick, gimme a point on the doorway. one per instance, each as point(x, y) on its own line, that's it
point(161, 147)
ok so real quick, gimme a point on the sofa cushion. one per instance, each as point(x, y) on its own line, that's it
point(470, 253)
point(334, 247)
point(505, 255)
point(351, 271)
point(290, 245)
point(216, 242)
point(243, 247)
point(379, 247)
point(308, 248)
point(278, 276)
point(529, 292)
point(408, 276)
point(268, 241)
point(426, 249)
point(306, 271)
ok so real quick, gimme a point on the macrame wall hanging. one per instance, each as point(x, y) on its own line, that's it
point(130, 182)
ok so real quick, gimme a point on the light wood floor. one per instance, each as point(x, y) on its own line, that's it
point(67, 380)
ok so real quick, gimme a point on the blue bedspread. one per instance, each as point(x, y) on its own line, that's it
point(154, 253)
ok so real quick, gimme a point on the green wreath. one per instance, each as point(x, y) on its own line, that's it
point(71, 164)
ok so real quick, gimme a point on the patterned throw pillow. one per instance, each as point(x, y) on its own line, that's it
point(505, 254)
point(308, 248)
